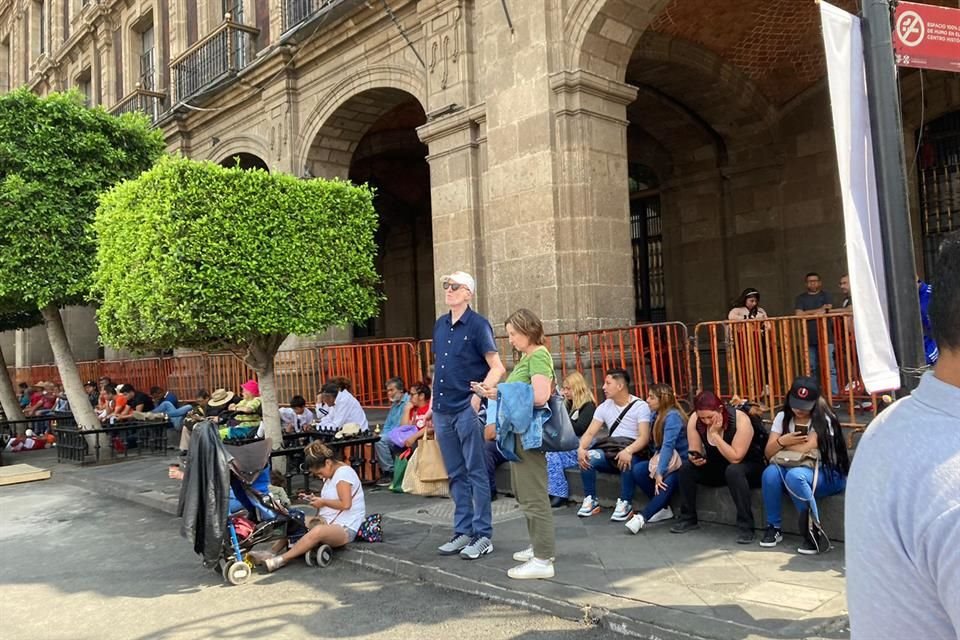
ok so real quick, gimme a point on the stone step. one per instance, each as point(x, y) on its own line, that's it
point(713, 503)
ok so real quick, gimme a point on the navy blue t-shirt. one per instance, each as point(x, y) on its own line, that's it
point(808, 302)
point(459, 351)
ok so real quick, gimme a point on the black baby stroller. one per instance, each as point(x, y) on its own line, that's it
point(243, 513)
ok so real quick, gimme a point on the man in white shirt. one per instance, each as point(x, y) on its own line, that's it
point(903, 494)
point(343, 408)
point(625, 417)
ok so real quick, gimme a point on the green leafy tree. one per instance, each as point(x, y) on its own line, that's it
point(11, 319)
point(56, 157)
point(227, 258)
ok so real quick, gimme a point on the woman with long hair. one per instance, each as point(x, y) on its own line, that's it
point(724, 450)
point(658, 477)
point(340, 507)
point(528, 474)
point(805, 424)
point(580, 405)
point(747, 306)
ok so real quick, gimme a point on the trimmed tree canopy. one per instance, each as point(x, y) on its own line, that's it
point(192, 254)
point(56, 157)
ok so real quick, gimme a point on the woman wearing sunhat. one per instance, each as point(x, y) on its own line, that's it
point(806, 424)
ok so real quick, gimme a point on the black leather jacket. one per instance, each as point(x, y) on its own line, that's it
point(205, 493)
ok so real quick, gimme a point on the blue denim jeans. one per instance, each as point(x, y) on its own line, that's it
point(639, 477)
point(493, 459)
point(799, 480)
point(464, 455)
point(815, 366)
point(598, 464)
point(175, 414)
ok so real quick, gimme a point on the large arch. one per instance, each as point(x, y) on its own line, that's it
point(602, 34)
point(368, 135)
point(239, 145)
point(383, 81)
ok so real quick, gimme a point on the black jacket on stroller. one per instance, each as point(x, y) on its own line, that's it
point(205, 493)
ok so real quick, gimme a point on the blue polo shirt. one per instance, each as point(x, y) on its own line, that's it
point(459, 350)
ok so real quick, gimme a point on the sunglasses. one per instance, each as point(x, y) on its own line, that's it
point(453, 286)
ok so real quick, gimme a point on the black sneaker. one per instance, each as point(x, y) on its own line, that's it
point(814, 544)
point(684, 525)
point(772, 537)
point(746, 536)
point(385, 480)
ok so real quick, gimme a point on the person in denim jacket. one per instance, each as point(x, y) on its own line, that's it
point(659, 483)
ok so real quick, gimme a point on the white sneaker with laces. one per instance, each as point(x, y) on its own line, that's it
point(533, 569)
point(664, 514)
point(635, 524)
point(589, 507)
point(524, 556)
point(622, 511)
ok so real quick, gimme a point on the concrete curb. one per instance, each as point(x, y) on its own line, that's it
point(152, 499)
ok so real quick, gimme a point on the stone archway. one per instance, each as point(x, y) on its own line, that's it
point(370, 138)
point(245, 161)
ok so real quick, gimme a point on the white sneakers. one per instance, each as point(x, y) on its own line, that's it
point(635, 524)
point(524, 556)
point(532, 569)
point(622, 511)
point(664, 514)
point(638, 522)
point(589, 507)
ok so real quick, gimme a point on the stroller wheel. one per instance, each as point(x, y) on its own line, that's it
point(324, 556)
point(238, 572)
point(309, 558)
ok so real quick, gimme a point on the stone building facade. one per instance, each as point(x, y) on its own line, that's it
point(602, 162)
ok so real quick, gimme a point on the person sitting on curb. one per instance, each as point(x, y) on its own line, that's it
point(658, 478)
point(806, 424)
point(581, 405)
point(341, 508)
point(400, 408)
point(627, 419)
point(196, 414)
point(136, 400)
point(166, 408)
point(724, 449)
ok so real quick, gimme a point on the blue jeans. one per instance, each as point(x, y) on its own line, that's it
point(176, 415)
point(598, 464)
point(557, 461)
point(639, 476)
point(815, 366)
point(798, 480)
point(461, 442)
point(493, 459)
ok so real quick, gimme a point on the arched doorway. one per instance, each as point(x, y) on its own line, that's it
point(245, 161)
point(371, 138)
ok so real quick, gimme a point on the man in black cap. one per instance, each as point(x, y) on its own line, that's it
point(93, 394)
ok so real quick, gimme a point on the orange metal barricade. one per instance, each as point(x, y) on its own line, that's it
point(758, 360)
point(369, 366)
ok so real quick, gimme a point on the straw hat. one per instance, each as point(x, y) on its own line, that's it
point(220, 397)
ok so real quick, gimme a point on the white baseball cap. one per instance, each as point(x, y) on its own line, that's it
point(463, 278)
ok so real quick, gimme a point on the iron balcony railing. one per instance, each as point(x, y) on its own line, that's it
point(221, 54)
point(152, 103)
point(298, 11)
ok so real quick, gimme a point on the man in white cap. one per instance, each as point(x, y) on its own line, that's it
point(465, 352)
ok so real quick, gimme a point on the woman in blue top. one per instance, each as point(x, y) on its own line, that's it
point(670, 442)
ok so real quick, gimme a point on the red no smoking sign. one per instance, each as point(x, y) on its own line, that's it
point(927, 37)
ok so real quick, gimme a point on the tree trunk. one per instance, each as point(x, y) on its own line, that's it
point(83, 412)
point(260, 356)
point(8, 395)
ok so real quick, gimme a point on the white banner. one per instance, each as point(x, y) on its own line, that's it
point(851, 124)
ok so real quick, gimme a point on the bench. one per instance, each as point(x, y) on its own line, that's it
point(713, 503)
point(14, 428)
point(357, 452)
point(85, 446)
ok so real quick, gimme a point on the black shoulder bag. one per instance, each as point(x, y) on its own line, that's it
point(612, 445)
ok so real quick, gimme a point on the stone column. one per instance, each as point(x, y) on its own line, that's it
point(593, 247)
point(456, 168)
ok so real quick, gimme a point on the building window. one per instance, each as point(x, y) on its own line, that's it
point(148, 60)
point(6, 65)
point(646, 235)
point(84, 86)
point(939, 180)
point(39, 27)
